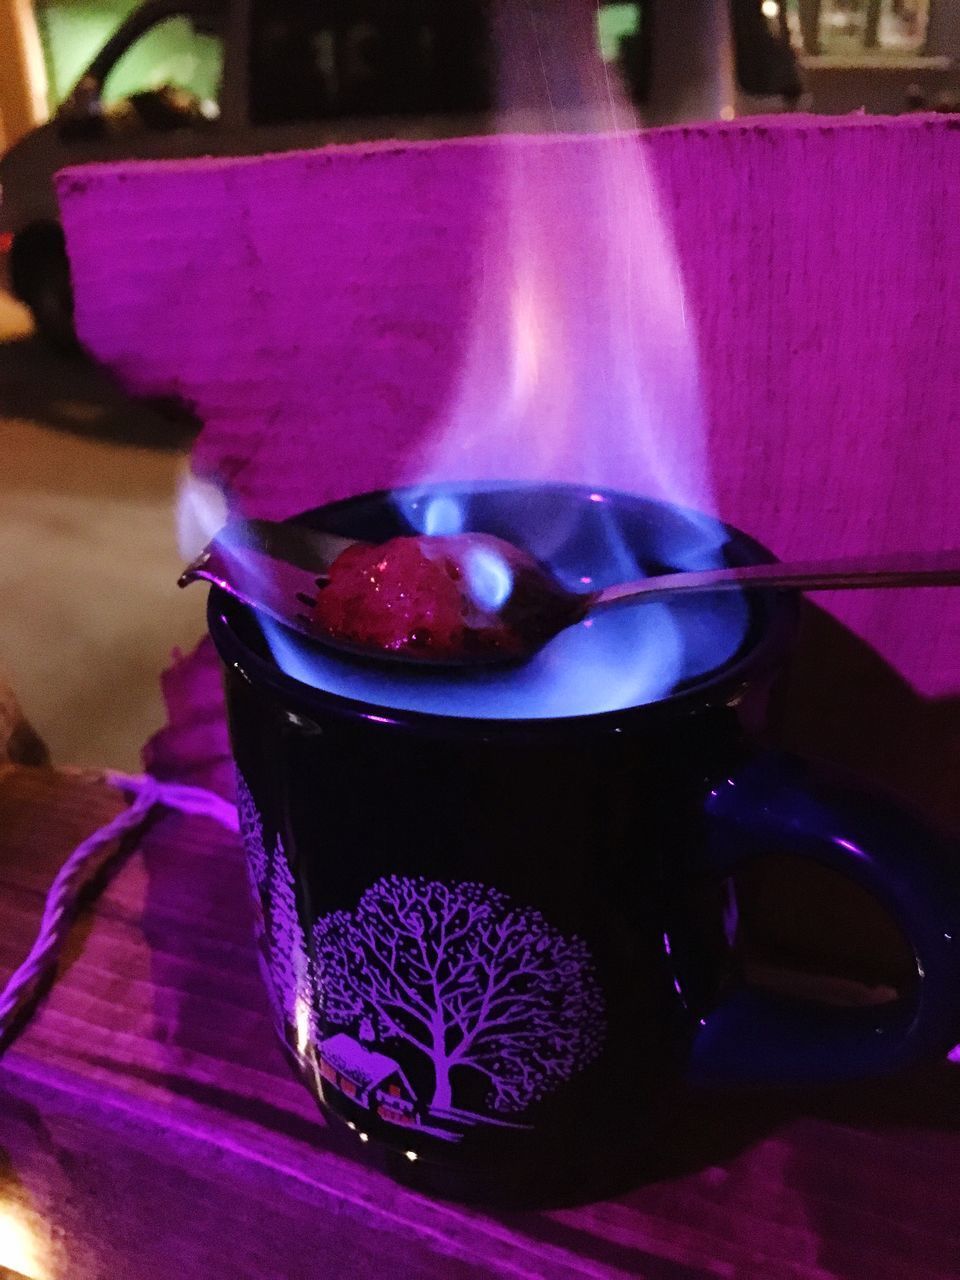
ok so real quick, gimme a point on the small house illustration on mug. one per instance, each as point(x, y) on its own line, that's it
point(370, 1079)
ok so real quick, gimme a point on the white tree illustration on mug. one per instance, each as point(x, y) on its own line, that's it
point(251, 833)
point(468, 979)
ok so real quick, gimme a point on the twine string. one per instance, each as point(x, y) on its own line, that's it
point(30, 978)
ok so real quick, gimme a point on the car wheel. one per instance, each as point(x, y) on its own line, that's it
point(40, 276)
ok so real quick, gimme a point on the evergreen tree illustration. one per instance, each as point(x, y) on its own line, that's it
point(251, 832)
point(291, 970)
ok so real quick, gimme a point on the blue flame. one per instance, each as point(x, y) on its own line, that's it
point(489, 578)
point(580, 366)
point(619, 658)
point(442, 516)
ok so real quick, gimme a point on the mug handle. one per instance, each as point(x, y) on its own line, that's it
point(780, 803)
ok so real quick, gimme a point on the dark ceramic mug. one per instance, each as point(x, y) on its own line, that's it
point(476, 928)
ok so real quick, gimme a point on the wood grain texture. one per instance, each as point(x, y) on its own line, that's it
point(149, 1126)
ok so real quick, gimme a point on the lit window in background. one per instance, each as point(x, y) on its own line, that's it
point(20, 1249)
point(854, 29)
point(616, 22)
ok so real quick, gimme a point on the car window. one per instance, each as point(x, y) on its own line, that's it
point(323, 59)
point(171, 54)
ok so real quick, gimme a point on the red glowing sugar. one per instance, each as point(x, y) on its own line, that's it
point(415, 596)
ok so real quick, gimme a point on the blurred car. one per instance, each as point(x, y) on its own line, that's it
point(231, 77)
point(187, 78)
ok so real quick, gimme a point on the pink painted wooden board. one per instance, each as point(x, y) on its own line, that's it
point(313, 308)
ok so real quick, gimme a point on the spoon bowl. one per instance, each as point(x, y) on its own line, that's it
point(472, 599)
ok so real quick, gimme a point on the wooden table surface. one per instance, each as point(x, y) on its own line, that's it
point(149, 1126)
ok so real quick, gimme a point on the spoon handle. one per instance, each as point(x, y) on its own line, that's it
point(909, 569)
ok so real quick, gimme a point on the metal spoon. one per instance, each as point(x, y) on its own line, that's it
point(280, 569)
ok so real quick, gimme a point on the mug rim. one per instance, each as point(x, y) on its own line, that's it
point(774, 622)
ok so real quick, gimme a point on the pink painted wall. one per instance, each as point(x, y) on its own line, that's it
point(312, 308)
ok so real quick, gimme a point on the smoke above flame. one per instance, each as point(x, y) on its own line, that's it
point(582, 363)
